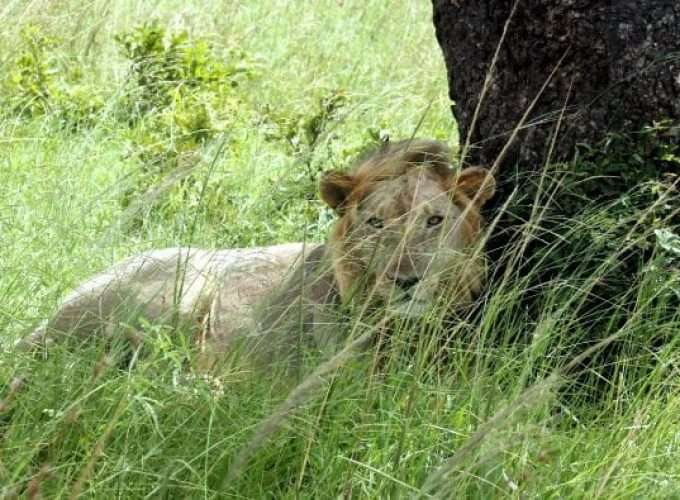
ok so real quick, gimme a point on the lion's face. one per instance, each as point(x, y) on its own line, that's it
point(406, 229)
point(404, 234)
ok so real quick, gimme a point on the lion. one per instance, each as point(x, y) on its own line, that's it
point(406, 237)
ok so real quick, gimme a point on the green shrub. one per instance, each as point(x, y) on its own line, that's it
point(179, 95)
point(166, 69)
point(38, 85)
point(78, 106)
point(30, 85)
point(303, 132)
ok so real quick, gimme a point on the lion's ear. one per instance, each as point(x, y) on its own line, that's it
point(335, 187)
point(476, 183)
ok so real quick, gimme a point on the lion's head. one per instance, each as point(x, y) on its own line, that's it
point(407, 225)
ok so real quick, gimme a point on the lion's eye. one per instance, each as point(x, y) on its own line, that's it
point(376, 222)
point(434, 220)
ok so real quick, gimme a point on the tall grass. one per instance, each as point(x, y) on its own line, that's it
point(509, 405)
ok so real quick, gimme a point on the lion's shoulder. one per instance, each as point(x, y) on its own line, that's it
point(311, 281)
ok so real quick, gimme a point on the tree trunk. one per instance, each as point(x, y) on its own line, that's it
point(616, 67)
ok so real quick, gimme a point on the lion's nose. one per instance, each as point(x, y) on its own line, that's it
point(406, 283)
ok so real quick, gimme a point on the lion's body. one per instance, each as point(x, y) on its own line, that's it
point(210, 291)
point(405, 237)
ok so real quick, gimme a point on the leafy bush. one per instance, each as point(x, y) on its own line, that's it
point(303, 132)
point(170, 72)
point(30, 85)
point(179, 95)
point(38, 85)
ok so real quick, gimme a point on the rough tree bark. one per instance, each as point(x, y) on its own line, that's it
point(619, 70)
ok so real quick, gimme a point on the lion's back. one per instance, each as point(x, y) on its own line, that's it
point(179, 282)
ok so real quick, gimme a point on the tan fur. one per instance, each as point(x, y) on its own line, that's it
point(263, 299)
point(403, 185)
point(211, 292)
